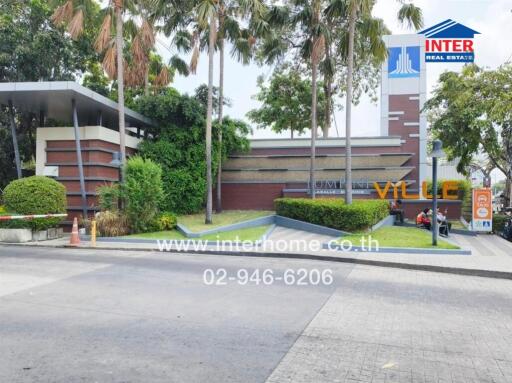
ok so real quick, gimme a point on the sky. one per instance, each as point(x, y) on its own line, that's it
point(492, 18)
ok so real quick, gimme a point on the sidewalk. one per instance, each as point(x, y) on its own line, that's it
point(491, 255)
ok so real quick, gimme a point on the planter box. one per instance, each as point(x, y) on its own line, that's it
point(15, 235)
point(41, 235)
point(27, 235)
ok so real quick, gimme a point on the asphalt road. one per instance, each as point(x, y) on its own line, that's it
point(81, 316)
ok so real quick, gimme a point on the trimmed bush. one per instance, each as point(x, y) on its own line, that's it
point(108, 196)
point(334, 213)
point(36, 195)
point(142, 191)
point(166, 221)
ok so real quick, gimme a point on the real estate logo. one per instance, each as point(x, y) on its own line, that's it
point(449, 41)
point(404, 62)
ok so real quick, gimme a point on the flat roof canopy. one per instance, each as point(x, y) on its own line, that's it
point(54, 99)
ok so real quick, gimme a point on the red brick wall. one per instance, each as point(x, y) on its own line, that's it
point(250, 196)
point(96, 156)
point(411, 109)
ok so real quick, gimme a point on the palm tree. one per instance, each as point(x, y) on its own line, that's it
point(298, 26)
point(113, 61)
point(243, 41)
point(360, 9)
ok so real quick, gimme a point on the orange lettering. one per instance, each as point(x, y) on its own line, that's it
point(449, 186)
point(424, 190)
point(382, 194)
point(408, 196)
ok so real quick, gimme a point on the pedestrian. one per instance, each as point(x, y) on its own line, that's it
point(397, 210)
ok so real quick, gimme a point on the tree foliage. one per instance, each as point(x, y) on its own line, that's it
point(33, 49)
point(470, 112)
point(178, 146)
point(286, 103)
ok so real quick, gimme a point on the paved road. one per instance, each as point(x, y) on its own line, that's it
point(73, 316)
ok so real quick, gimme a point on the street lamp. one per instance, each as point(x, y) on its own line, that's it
point(437, 152)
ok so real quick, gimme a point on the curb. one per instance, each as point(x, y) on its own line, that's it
point(394, 250)
point(325, 258)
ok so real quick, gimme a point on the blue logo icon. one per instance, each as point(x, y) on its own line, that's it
point(404, 62)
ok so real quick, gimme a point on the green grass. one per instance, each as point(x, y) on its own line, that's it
point(195, 222)
point(247, 234)
point(396, 236)
point(456, 224)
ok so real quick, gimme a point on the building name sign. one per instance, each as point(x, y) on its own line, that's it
point(399, 190)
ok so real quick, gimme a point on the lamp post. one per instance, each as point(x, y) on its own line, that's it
point(116, 162)
point(437, 152)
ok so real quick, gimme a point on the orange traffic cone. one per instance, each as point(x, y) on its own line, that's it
point(75, 239)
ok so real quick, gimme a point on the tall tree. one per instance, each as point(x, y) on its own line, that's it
point(72, 13)
point(358, 10)
point(32, 49)
point(286, 102)
point(470, 112)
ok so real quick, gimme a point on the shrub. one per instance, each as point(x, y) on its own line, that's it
point(166, 221)
point(498, 223)
point(108, 196)
point(112, 224)
point(334, 213)
point(3, 211)
point(36, 195)
point(142, 191)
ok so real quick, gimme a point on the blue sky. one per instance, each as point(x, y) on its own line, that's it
point(492, 18)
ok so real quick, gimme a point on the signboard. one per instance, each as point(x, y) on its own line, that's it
point(482, 210)
point(449, 41)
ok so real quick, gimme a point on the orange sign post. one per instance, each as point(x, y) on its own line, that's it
point(482, 210)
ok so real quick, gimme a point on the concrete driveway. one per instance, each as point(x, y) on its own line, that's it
point(106, 316)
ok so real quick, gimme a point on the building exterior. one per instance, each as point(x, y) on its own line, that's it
point(80, 150)
point(87, 125)
point(280, 167)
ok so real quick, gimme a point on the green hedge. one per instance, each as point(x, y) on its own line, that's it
point(334, 213)
point(142, 192)
point(498, 223)
point(35, 195)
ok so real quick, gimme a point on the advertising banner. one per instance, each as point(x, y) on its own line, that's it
point(482, 210)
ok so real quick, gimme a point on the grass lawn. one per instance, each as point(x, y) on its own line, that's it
point(195, 222)
point(396, 236)
point(456, 224)
point(248, 234)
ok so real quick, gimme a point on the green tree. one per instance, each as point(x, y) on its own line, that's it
point(470, 112)
point(360, 10)
point(286, 103)
point(32, 49)
point(178, 146)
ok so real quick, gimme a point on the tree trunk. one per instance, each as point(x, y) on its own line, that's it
point(120, 86)
point(328, 94)
point(221, 110)
point(146, 80)
point(211, 45)
point(314, 67)
point(14, 139)
point(328, 109)
point(348, 115)
point(508, 189)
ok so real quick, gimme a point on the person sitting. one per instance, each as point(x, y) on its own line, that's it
point(423, 219)
point(444, 225)
point(396, 210)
